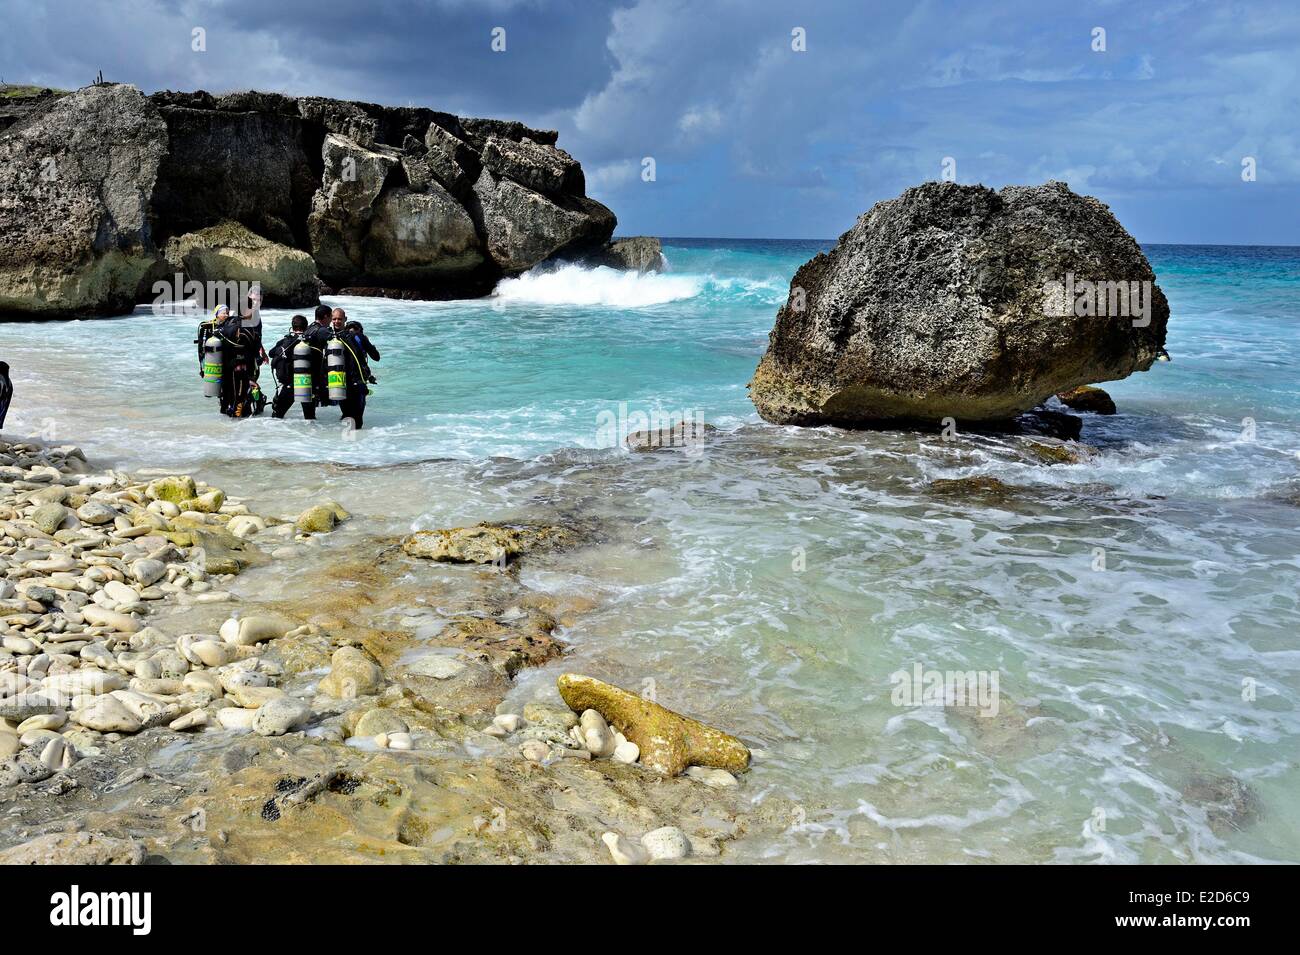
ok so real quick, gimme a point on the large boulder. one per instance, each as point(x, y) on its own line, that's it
point(231, 253)
point(959, 301)
point(76, 181)
point(523, 227)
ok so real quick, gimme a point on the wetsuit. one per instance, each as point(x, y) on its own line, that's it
point(241, 353)
point(282, 365)
point(318, 336)
point(6, 391)
point(365, 349)
point(354, 404)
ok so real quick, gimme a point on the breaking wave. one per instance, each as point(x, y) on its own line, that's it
point(582, 285)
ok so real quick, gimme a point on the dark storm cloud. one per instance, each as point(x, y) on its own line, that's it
point(751, 137)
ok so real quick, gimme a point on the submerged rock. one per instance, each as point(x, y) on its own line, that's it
point(976, 485)
point(320, 518)
point(954, 301)
point(483, 543)
point(690, 435)
point(352, 673)
point(669, 742)
point(1059, 452)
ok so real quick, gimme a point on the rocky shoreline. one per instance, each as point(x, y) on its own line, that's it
point(110, 198)
point(148, 713)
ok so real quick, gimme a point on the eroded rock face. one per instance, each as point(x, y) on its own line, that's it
point(421, 237)
point(952, 301)
point(401, 201)
point(522, 227)
point(76, 182)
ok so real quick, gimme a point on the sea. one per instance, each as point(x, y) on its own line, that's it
point(1098, 664)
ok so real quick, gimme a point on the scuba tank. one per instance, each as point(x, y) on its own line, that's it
point(336, 370)
point(302, 384)
point(212, 367)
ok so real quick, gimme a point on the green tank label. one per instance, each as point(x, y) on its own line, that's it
point(336, 379)
point(211, 371)
point(302, 381)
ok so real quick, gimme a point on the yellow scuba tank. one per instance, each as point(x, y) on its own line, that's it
point(212, 367)
point(302, 384)
point(336, 370)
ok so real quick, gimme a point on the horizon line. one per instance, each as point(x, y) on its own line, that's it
point(760, 238)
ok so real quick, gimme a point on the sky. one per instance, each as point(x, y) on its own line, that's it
point(773, 118)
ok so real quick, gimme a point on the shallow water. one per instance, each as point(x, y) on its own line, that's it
point(773, 583)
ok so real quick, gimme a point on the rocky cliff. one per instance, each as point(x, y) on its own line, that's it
point(959, 301)
point(105, 191)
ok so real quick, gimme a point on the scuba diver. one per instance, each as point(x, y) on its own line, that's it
point(296, 364)
point(318, 335)
point(230, 353)
point(6, 391)
point(345, 371)
point(365, 348)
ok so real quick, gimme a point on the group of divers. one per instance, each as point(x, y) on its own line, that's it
point(324, 363)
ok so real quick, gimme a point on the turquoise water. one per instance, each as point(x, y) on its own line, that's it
point(1140, 611)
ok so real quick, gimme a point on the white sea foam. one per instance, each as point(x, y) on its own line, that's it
point(584, 286)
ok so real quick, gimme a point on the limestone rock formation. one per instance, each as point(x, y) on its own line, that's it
point(484, 543)
point(958, 301)
point(669, 742)
point(105, 190)
point(76, 182)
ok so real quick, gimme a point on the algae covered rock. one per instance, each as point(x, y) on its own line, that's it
point(1059, 452)
point(48, 517)
point(321, 518)
point(222, 551)
point(484, 543)
point(229, 252)
point(176, 489)
point(669, 742)
point(206, 503)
